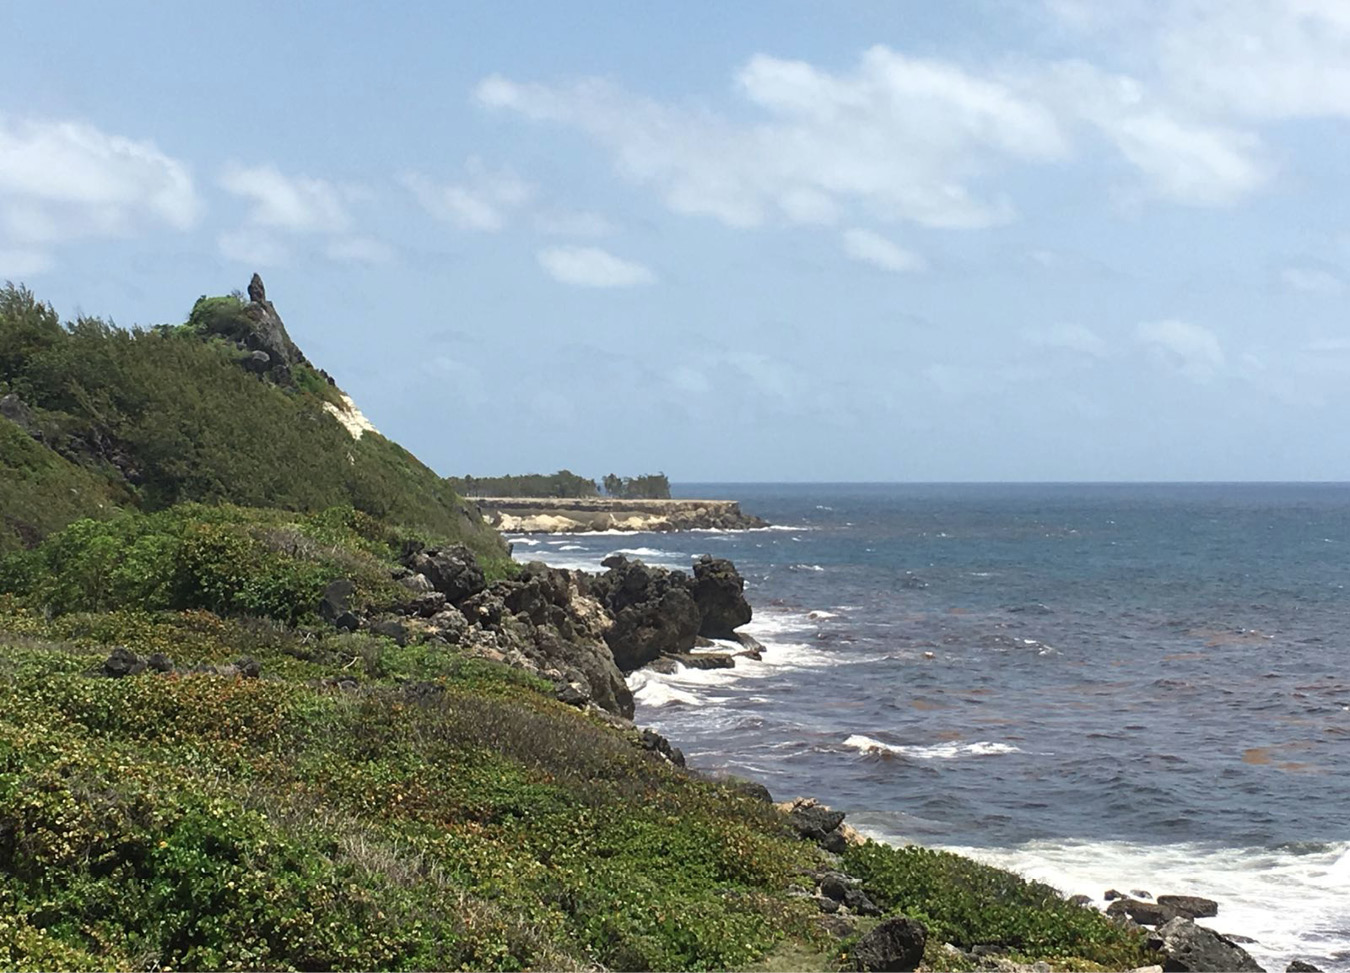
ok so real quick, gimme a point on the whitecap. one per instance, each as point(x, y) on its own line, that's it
point(936, 751)
point(805, 567)
point(820, 616)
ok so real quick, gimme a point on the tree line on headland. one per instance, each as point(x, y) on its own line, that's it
point(564, 485)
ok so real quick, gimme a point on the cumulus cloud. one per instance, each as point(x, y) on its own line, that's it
point(483, 200)
point(1189, 349)
point(298, 204)
point(1312, 280)
point(875, 249)
point(62, 181)
point(592, 267)
point(908, 138)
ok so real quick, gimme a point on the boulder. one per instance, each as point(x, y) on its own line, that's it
point(719, 592)
point(1144, 913)
point(893, 944)
point(336, 600)
point(835, 886)
point(1298, 966)
point(390, 628)
point(450, 624)
point(453, 571)
point(122, 662)
point(815, 821)
point(1190, 906)
point(1083, 900)
point(857, 901)
point(1187, 947)
point(692, 660)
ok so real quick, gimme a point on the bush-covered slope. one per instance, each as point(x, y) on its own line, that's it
point(174, 415)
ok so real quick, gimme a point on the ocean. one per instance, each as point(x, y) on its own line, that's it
point(1098, 686)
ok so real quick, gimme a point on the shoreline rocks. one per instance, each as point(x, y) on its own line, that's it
point(529, 515)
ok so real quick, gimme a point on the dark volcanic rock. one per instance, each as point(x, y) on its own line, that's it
point(1190, 906)
point(159, 662)
point(857, 901)
point(893, 944)
point(1144, 913)
point(336, 600)
point(453, 571)
point(719, 591)
point(835, 886)
point(1298, 966)
point(656, 743)
point(693, 660)
point(1188, 948)
point(654, 614)
point(122, 662)
point(390, 628)
point(815, 822)
point(750, 788)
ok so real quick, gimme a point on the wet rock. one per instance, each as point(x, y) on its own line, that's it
point(1191, 906)
point(1144, 913)
point(337, 599)
point(893, 944)
point(122, 662)
point(692, 660)
point(1113, 894)
point(1140, 894)
point(719, 592)
point(1188, 947)
point(753, 647)
point(1298, 966)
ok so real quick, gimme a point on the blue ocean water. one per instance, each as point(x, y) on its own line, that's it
point(1139, 686)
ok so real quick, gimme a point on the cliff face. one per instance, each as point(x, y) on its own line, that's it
point(547, 516)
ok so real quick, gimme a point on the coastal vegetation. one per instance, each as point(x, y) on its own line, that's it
point(203, 765)
point(564, 485)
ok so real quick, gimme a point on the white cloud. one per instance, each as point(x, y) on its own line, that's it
point(484, 200)
point(1189, 349)
point(592, 267)
point(297, 204)
point(875, 249)
point(1070, 337)
point(62, 181)
point(905, 137)
point(1312, 280)
point(259, 248)
point(359, 250)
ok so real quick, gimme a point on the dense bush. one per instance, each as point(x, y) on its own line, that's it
point(172, 415)
point(967, 904)
point(563, 484)
point(228, 560)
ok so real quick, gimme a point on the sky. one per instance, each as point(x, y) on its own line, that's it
point(1046, 240)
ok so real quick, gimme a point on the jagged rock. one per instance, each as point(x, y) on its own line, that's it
point(122, 662)
point(427, 604)
point(414, 582)
point(752, 645)
point(834, 842)
point(692, 660)
point(654, 614)
point(450, 624)
point(858, 902)
point(17, 411)
point(814, 822)
point(572, 696)
point(895, 944)
point(654, 742)
point(826, 904)
point(1144, 913)
point(336, 600)
point(256, 292)
point(1191, 906)
point(1188, 947)
point(159, 662)
point(1298, 966)
point(453, 571)
point(485, 609)
point(258, 362)
point(719, 592)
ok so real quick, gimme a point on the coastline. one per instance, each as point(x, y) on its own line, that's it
point(547, 515)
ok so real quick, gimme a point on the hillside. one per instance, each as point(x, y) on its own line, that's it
point(273, 697)
point(143, 419)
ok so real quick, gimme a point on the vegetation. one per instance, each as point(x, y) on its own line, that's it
point(968, 904)
point(563, 484)
point(360, 804)
point(167, 416)
point(651, 487)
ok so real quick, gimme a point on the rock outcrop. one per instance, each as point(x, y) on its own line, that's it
point(1189, 948)
point(893, 944)
point(654, 613)
point(527, 515)
point(719, 591)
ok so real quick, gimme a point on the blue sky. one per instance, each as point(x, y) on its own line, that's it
point(1051, 240)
